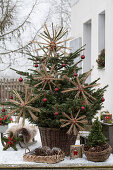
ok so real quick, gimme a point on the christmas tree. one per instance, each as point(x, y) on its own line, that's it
point(96, 138)
point(65, 99)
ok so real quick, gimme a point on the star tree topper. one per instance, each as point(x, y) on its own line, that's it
point(52, 42)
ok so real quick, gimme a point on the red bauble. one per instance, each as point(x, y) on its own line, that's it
point(56, 113)
point(63, 65)
point(20, 79)
point(3, 110)
point(82, 108)
point(82, 56)
point(44, 99)
point(36, 65)
point(11, 97)
point(75, 152)
point(102, 99)
point(56, 89)
point(75, 74)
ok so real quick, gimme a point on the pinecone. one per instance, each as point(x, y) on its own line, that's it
point(40, 152)
point(105, 146)
point(55, 151)
point(86, 148)
point(98, 149)
point(46, 151)
point(92, 149)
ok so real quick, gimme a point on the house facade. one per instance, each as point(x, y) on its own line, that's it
point(92, 24)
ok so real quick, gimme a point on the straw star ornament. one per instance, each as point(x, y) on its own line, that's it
point(52, 42)
point(46, 77)
point(74, 122)
point(80, 87)
point(23, 105)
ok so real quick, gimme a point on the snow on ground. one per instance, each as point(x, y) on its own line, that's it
point(16, 157)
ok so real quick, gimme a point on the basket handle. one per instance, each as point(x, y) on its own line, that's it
point(59, 152)
point(26, 150)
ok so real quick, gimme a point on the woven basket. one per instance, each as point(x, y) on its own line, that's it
point(30, 157)
point(53, 137)
point(98, 156)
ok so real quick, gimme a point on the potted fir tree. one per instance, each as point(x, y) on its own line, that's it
point(65, 101)
point(97, 149)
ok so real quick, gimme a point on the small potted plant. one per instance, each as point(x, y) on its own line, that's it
point(101, 59)
point(96, 149)
point(5, 119)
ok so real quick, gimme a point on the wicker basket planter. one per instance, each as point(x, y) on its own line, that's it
point(3, 128)
point(52, 137)
point(31, 157)
point(98, 156)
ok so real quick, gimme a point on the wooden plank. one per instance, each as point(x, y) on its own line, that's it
point(7, 85)
point(53, 167)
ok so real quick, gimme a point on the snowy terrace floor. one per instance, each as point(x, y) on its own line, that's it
point(11, 159)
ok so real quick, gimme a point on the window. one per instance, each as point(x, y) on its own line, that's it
point(75, 45)
point(101, 40)
point(87, 52)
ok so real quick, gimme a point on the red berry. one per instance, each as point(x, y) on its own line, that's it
point(82, 108)
point(11, 97)
point(82, 56)
point(20, 79)
point(102, 99)
point(44, 99)
point(11, 119)
point(56, 113)
point(75, 74)
point(63, 65)
point(36, 65)
point(3, 110)
point(56, 89)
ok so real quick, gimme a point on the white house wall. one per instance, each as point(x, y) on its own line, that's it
point(86, 10)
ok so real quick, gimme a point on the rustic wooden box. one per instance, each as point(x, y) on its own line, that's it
point(107, 117)
point(75, 151)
